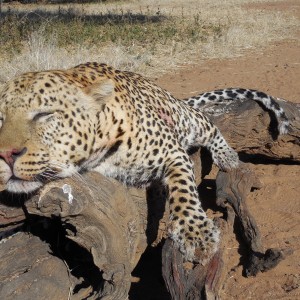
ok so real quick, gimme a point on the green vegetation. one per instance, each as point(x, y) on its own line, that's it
point(142, 36)
point(72, 28)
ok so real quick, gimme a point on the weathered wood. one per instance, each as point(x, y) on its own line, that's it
point(251, 130)
point(232, 190)
point(102, 217)
point(186, 280)
point(12, 215)
point(181, 278)
point(29, 271)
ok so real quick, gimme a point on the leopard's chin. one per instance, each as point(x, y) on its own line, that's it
point(22, 186)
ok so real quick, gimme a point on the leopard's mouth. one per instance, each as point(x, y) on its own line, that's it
point(15, 178)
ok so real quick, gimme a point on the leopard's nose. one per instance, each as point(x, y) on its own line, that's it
point(11, 155)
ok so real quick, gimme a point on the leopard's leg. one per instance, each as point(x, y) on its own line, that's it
point(222, 154)
point(190, 228)
point(206, 134)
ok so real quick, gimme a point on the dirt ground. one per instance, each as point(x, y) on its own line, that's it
point(276, 207)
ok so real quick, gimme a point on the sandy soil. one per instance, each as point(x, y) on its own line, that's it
point(276, 207)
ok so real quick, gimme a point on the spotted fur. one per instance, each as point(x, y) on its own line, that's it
point(231, 94)
point(55, 124)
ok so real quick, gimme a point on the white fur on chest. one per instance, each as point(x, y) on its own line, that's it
point(133, 176)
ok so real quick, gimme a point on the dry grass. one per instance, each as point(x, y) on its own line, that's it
point(134, 35)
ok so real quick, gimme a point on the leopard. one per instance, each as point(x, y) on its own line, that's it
point(92, 117)
point(227, 95)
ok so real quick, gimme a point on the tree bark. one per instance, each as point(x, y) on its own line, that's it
point(104, 218)
point(251, 130)
point(112, 225)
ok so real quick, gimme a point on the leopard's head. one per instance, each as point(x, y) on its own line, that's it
point(48, 125)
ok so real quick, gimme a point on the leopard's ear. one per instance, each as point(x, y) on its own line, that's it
point(101, 91)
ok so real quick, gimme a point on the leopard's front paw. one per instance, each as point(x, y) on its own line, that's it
point(201, 233)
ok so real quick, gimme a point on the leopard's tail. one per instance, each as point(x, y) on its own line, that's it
point(232, 94)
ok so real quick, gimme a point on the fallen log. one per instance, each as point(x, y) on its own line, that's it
point(112, 225)
point(251, 130)
point(105, 219)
